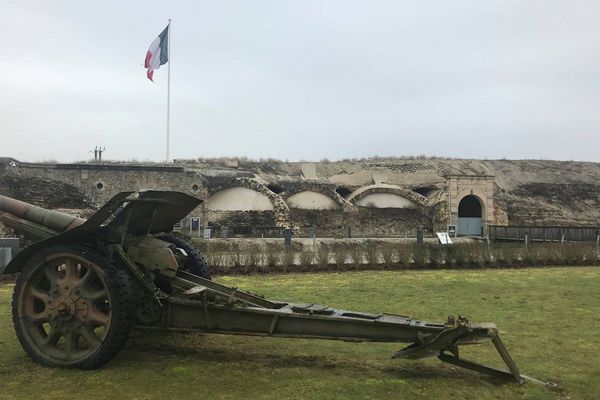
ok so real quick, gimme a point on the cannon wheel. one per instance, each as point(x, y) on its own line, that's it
point(71, 307)
point(194, 262)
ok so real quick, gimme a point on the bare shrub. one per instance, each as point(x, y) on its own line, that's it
point(388, 253)
point(200, 245)
point(356, 255)
point(272, 256)
point(340, 254)
point(528, 257)
point(226, 263)
point(215, 259)
point(404, 254)
point(237, 256)
point(287, 260)
point(477, 254)
point(435, 254)
point(573, 253)
point(371, 251)
point(322, 256)
point(456, 255)
point(512, 255)
point(419, 254)
point(307, 256)
point(251, 257)
point(545, 255)
point(589, 255)
point(499, 257)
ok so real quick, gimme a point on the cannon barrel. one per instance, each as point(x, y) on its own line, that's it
point(51, 220)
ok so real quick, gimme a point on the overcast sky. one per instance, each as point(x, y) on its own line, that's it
point(302, 79)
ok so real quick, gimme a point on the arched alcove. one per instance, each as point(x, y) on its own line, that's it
point(309, 200)
point(238, 199)
point(385, 200)
point(470, 211)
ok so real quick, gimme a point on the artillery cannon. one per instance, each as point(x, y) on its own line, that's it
point(86, 283)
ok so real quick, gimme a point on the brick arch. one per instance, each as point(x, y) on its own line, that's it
point(280, 207)
point(364, 191)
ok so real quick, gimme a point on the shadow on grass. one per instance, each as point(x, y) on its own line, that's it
point(165, 347)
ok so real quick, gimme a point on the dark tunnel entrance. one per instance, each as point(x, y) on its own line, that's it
point(469, 216)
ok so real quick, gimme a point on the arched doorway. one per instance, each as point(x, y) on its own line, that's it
point(469, 216)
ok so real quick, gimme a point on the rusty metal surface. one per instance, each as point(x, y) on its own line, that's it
point(54, 220)
point(74, 298)
point(78, 234)
point(31, 230)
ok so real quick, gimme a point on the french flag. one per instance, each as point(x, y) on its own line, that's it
point(158, 53)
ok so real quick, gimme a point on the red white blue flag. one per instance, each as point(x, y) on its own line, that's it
point(158, 53)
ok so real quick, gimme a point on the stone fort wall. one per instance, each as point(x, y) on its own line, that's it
point(319, 204)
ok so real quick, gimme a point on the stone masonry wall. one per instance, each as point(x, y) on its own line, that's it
point(240, 218)
point(327, 223)
point(102, 182)
point(46, 193)
point(388, 222)
point(99, 182)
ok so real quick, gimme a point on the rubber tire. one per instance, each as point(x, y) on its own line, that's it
point(195, 263)
point(118, 285)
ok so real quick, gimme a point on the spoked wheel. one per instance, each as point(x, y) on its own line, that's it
point(71, 308)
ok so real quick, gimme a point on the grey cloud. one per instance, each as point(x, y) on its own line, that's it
point(303, 79)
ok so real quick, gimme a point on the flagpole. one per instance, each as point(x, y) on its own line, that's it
point(168, 88)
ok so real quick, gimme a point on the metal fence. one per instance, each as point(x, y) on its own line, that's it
point(544, 233)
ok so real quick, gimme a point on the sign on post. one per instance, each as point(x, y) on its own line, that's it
point(444, 237)
point(451, 230)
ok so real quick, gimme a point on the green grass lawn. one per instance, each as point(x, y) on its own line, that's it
point(548, 318)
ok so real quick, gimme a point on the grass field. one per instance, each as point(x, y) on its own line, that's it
point(549, 319)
